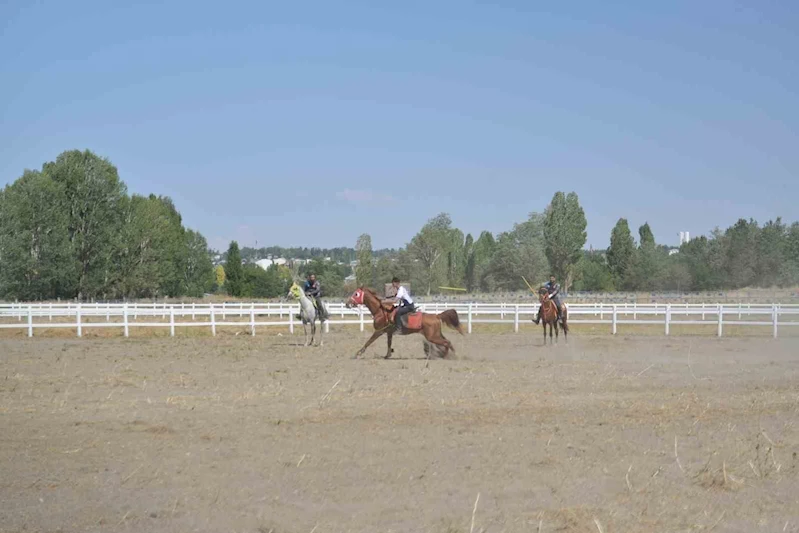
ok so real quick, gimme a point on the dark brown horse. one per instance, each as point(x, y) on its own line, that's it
point(429, 326)
point(549, 315)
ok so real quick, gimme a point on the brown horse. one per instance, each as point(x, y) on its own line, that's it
point(549, 315)
point(430, 325)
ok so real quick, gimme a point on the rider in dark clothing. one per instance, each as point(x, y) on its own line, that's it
point(553, 289)
point(313, 290)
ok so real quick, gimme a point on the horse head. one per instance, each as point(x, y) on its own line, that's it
point(542, 294)
point(356, 298)
point(295, 291)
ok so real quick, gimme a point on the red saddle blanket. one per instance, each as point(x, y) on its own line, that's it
point(411, 321)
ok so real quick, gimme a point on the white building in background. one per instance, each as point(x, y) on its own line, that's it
point(266, 263)
point(685, 236)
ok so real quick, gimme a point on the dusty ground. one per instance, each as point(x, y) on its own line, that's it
point(258, 435)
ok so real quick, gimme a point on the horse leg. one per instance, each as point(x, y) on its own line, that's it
point(321, 330)
point(373, 338)
point(433, 335)
point(544, 326)
point(305, 329)
point(390, 349)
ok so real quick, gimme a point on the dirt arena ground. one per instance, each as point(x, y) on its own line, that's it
point(241, 434)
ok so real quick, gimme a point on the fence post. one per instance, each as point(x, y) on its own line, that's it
point(739, 310)
point(213, 320)
point(171, 321)
point(108, 312)
point(602, 311)
point(668, 317)
point(516, 319)
point(30, 321)
point(77, 314)
point(360, 313)
point(469, 319)
point(252, 319)
point(125, 319)
point(720, 312)
point(224, 315)
point(703, 310)
point(774, 318)
point(613, 320)
point(51, 311)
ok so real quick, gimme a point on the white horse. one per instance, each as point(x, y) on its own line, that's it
point(308, 313)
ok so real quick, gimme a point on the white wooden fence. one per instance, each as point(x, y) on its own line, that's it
point(125, 316)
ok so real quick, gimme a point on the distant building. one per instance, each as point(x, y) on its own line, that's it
point(685, 236)
point(266, 263)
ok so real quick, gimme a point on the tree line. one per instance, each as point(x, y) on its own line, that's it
point(551, 242)
point(70, 230)
point(746, 254)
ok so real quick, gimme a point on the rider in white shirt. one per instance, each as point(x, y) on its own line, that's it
point(402, 300)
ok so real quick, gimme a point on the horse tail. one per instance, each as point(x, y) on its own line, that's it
point(450, 318)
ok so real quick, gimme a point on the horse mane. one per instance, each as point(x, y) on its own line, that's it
point(385, 307)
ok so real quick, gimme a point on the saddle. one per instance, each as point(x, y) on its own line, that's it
point(409, 321)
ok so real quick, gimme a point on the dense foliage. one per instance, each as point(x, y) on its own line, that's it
point(71, 230)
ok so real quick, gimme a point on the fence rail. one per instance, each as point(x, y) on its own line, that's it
point(32, 316)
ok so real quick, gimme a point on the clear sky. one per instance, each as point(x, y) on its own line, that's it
point(308, 123)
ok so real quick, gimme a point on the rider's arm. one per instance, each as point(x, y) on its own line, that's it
point(555, 291)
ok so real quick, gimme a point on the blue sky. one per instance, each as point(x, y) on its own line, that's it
point(309, 123)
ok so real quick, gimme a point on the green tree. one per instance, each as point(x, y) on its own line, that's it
point(152, 251)
point(520, 253)
point(484, 248)
point(791, 252)
point(364, 270)
point(620, 254)
point(593, 274)
point(646, 238)
point(34, 240)
point(198, 271)
point(564, 234)
point(647, 262)
point(469, 270)
point(384, 272)
point(428, 247)
point(261, 283)
point(456, 258)
point(234, 275)
point(772, 261)
point(93, 193)
point(741, 253)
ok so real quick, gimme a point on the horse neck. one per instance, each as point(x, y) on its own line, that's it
point(304, 300)
point(372, 302)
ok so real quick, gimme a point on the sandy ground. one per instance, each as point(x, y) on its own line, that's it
point(235, 433)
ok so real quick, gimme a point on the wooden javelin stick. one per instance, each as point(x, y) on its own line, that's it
point(452, 288)
point(528, 285)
